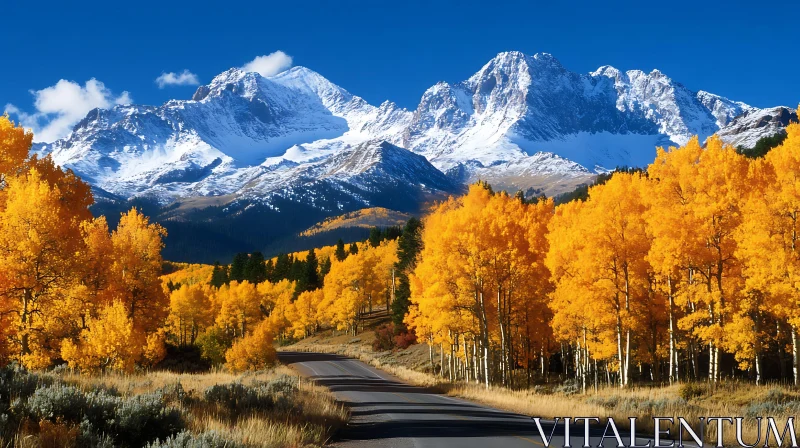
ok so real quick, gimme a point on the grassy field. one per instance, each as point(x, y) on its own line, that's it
point(689, 401)
point(274, 408)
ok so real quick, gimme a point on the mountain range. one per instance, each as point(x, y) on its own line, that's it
point(250, 160)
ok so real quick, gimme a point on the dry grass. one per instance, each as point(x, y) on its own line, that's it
point(732, 399)
point(310, 419)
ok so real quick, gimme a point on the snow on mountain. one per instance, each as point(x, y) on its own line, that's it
point(755, 124)
point(519, 105)
point(372, 173)
point(521, 122)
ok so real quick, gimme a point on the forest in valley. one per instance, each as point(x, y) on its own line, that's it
point(684, 271)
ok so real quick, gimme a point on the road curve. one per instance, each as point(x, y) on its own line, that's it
point(387, 412)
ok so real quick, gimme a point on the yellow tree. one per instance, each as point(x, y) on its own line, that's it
point(15, 143)
point(308, 313)
point(38, 239)
point(276, 303)
point(190, 312)
point(254, 351)
point(616, 242)
point(110, 342)
point(345, 295)
point(239, 308)
point(671, 224)
point(768, 247)
point(709, 184)
point(91, 290)
point(593, 333)
point(136, 268)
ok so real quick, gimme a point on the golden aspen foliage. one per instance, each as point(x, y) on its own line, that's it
point(275, 301)
point(344, 291)
point(136, 268)
point(480, 281)
point(308, 313)
point(15, 143)
point(39, 238)
point(76, 195)
point(616, 244)
point(707, 185)
point(190, 312)
point(155, 348)
point(238, 308)
point(92, 288)
point(254, 351)
point(111, 342)
point(768, 248)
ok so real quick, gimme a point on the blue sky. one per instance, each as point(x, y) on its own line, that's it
point(381, 50)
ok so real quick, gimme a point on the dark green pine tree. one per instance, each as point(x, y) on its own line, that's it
point(311, 274)
point(237, 272)
point(402, 300)
point(340, 253)
point(324, 268)
point(409, 244)
point(219, 276)
point(283, 266)
point(255, 271)
point(408, 247)
point(308, 278)
point(297, 270)
point(763, 146)
point(353, 249)
point(269, 267)
point(375, 237)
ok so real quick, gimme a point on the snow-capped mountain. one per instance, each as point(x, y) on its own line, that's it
point(521, 122)
point(751, 126)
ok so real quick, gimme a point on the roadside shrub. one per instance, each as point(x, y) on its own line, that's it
point(143, 418)
point(185, 439)
point(173, 393)
point(776, 395)
point(57, 402)
point(692, 390)
point(91, 437)
point(568, 387)
point(277, 394)
point(405, 339)
point(389, 337)
point(100, 407)
point(384, 338)
point(130, 421)
point(15, 381)
point(283, 384)
point(233, 396)
point(633, 405)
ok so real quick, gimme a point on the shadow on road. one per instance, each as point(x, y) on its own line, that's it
point(418, 412)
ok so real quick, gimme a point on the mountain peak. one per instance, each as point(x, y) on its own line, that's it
point(547, 59)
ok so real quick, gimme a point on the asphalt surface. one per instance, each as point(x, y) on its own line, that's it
point(386, 412)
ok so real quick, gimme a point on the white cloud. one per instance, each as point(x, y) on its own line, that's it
point(270, 64)
point(185, 78)
point(60, 107)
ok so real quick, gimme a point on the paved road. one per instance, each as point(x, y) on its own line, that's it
point(387, 412)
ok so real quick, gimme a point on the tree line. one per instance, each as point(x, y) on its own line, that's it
point(71, 290)
point(687, 270)
point(230, 313)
